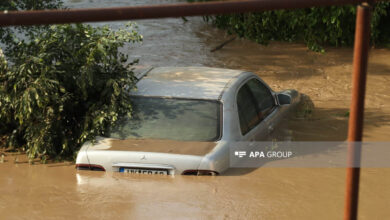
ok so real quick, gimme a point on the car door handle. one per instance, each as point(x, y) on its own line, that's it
point(271, 128)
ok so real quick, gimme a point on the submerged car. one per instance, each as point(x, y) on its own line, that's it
point(184, 120)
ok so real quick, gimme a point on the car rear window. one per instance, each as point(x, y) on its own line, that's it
point(172, 119)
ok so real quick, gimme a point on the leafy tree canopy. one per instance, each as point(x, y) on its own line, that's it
point(61, 85)
point(317, 27)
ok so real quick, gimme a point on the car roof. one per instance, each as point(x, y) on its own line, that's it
point(185, 82)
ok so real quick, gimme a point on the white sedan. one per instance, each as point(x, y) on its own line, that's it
point(184, 121)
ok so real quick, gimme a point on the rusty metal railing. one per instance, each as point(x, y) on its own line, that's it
point(157, 11)
point(360, 60)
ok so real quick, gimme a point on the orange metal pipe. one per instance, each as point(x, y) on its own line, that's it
point(355, 127)
point(13, 18)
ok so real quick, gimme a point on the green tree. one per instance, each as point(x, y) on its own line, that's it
point(13, 5)
point(7, 34)
point(317, 27)
point(61, 85)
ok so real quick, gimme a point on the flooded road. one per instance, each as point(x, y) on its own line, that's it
point(58, 191)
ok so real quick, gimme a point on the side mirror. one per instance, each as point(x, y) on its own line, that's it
point(284, 99)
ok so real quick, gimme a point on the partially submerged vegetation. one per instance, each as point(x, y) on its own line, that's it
point(61, 85)
point(305, 108)
point(317, 27)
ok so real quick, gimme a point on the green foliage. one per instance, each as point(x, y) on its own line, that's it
point(317, 27)
point(63, 86)
point(13, 5)
point(7, 34)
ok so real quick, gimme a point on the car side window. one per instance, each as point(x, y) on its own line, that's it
point(247, 111)
point(265, 101)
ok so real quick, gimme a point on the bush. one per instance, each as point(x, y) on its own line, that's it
point(317, 27)
point(63, 86)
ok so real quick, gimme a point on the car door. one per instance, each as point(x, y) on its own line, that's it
point(252, 125)
point(266, 105)
point(257, 111)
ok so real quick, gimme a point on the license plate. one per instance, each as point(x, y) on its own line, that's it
point(142, 171)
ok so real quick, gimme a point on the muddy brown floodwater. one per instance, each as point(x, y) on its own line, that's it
point(58, 191)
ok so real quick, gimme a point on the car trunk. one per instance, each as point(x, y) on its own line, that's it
point(174, 156)
point(162, 146)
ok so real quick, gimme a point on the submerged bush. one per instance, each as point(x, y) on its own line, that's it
point(62, 86)
point(316, 27)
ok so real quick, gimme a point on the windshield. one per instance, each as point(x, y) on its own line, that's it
point(169, 118)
